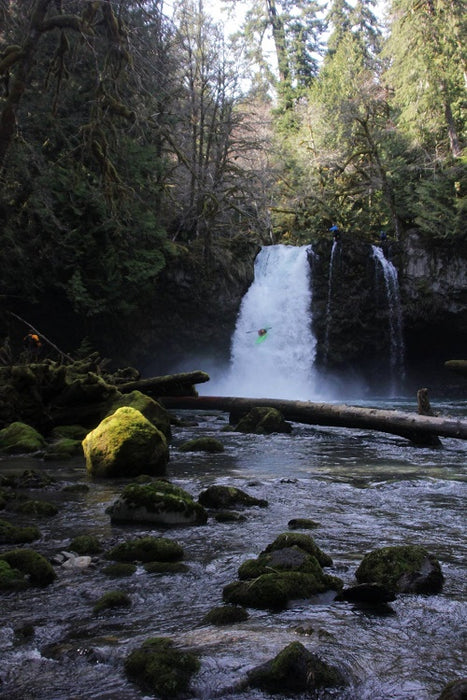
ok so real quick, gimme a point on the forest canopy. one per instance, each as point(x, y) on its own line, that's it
point(130, 133)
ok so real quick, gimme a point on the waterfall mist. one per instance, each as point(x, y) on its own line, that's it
point(279, 299)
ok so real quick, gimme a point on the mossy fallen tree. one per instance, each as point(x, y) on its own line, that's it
point(416, 428)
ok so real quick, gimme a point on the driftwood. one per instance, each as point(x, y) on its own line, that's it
point(458, 366)
point(414, 427)
point(180, 384)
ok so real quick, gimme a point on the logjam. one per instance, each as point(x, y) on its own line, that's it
point(414, 427)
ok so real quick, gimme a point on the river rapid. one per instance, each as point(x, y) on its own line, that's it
point(365, 489)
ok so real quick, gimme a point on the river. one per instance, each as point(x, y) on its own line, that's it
point(365, 490)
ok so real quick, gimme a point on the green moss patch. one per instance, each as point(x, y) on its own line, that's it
point(157, 667)
point(145, 549)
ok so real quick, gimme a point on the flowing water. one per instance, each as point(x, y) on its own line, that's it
point(364, 489)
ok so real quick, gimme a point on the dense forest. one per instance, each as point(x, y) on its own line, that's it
point(133, 133)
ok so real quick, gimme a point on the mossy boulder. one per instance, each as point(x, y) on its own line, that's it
point(119, 569)
point(15, 534)
point(455, 690)
point(63, 448)
point(151, 409)
point(402, 569)
point(112, 599)
point(304, 542)
point(159, 668)
point(202, 444)
point(36, 508)
point(37, 570)
point(225, 615)
point(20, 438)
point(262, 420)
point(72, 432)
point(273, 591)
point(146, 549)
point(286, 559)
point(11, 579)
point(165, 567)
point(218, 496)
point(158, 502)
point(125, 444)
point(295, 670)
point(85, 544)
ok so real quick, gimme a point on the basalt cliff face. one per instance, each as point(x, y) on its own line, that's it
point(191, 319)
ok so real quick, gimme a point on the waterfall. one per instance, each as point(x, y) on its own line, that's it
point(391, 284)
point(328, 306)
point(278, 299)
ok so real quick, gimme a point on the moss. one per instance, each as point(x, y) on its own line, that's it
point(112, 599)
point(295, 670)
point(202, 444)
point(158, 499)
point(263, 421)
point(305, 542)
point(20, 438)
point(13, 534)
point(273, 591)
point(287, 559)
point(225, 615)
point(119, 570)
point(150, 409)
point(85, 544)
point(32, 564)
point(399, 567)
point(63, 448)
point(160, 669)
point(166, 567)
point(147, 549)
point(11, 579)
point(72, 432)
point(218, 496)
point(41, 509)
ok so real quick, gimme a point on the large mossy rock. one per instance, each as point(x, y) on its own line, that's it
point(146, 549)
point(295, 670)
point(160, 669)
point(125, 444)
point(158, 502)
point(219, 496)
point(274, 591)
point(20, 438)
point(151, 409)
point(287, 559)
point(263, 420)
point(304, 542)
point(402, 569)
point(35, 568)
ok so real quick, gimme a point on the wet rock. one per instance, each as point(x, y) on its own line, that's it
point(302, 524)
point(286, 559)
point(85, 544)
point(20, 438)
point(225, 615)
point(229, 516)
point(29, 479)
point(228, 497)
point(125, 444)
point(159, 668)
point(146, 549)
point(304, 542)
point(262, 420)
point(295, 670)
point(158, 502)
point(202, 444)
point(112, 599)
point(151, 409)
point(63, 448)
point(273, 591)
point(40, 509)
point(15, 534)
point(402, 569)
point(455, 690)
point(31, 564)
point(165, 567)
point(119, 570)
point(372, 593)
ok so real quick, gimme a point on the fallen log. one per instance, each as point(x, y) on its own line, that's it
point(416, 428)
point(458, 366)
point(168, 385)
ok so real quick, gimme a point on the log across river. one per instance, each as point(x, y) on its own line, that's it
point(417, 428)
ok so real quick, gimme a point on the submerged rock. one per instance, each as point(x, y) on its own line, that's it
point(218, 496)
point(263, 420)
point(146, 549)
point(159, 668)
point(225, 615)
point(158, 502)
point(402, 569)
point(125, 444)
point(202, 444)
point(295, 670)
point(112, 599)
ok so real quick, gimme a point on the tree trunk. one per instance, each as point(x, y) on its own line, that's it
point(418, 429)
